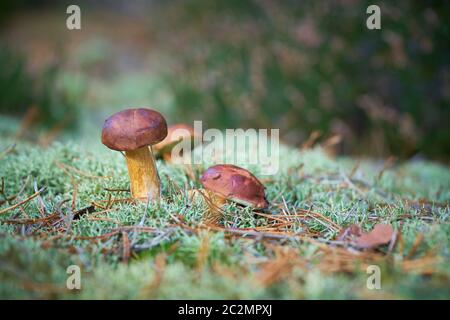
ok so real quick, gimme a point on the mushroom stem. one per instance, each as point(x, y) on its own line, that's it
point(144, 179)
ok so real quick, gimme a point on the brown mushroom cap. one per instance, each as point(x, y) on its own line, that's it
point(175, 133)
point(235, 184)
point(132, 129)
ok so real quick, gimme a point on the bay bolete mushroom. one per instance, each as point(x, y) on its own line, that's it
point(175, 134)
point(228, 182)
point(134, 131)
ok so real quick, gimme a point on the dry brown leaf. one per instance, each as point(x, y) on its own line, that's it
point(380, 235)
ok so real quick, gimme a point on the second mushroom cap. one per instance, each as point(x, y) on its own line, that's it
point(236, 184)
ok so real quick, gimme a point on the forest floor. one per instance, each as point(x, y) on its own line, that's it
point(69, 204)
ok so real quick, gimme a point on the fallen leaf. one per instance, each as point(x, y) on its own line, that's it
point(380, 235)
point(353, 235)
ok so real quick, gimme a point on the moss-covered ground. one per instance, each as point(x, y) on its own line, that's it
point(80, 215)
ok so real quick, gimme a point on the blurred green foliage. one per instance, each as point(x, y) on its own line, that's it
point(55, 96)
point(15, 82)
point(313, 65)
point(300, 66)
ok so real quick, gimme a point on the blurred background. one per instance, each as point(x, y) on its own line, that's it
point(310, 68)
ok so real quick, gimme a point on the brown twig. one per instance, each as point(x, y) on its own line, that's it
point(386, 165)
point(126, 247)
point(31, 221)
point(311, 141)
point(415, 245)
point(42, 208)
point(34, 195)
point(75, 192)
point(7, 150)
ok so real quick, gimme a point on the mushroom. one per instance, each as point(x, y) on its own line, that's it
point(228, 182)
point(133, 131)
point(175, 134)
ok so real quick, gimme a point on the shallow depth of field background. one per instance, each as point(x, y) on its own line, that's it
point(309, 68)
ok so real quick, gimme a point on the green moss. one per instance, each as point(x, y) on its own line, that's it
point(33, 264)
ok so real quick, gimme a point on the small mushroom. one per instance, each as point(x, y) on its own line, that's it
point(133, 131)
point(175, 134)
point(228, 182)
